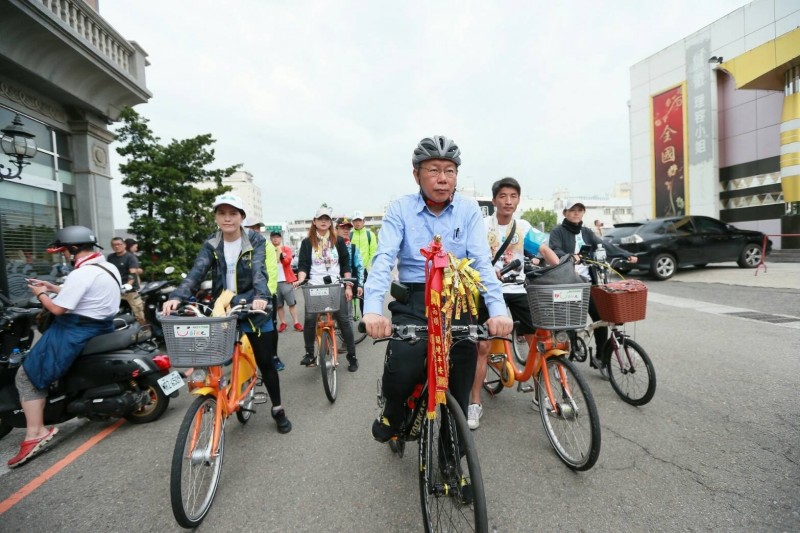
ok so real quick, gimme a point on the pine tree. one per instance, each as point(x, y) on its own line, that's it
point(171, 217)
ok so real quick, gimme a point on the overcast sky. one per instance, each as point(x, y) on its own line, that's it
point(325, 101)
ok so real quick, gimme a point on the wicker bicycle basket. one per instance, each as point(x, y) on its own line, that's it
point(559, 306)
point(322, 298)
point(621, 301)
point(199, 341)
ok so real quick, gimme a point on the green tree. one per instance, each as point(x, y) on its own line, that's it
point(171, 217)
point(535, 216)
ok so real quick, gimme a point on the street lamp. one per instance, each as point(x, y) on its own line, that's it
point(17, 143)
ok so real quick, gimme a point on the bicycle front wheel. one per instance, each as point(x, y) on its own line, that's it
point(450, 482)
point(630, 370)
point(245, 411)
point(327, 365)
point(195, 467)
point(570, 417)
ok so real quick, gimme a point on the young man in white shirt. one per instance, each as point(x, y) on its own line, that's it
point(509, 239)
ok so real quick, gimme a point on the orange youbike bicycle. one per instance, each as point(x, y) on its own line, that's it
point(223, 379)
point(561, 394)
point(324, 300)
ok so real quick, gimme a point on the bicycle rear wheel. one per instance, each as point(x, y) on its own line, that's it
point(630, 370)
point(195, 470)
point(520, 347)
point(570, 420)
point(450, 482)
point(327, 365)
point(245, 411)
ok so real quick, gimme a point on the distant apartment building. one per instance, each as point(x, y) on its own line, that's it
point(242, 185)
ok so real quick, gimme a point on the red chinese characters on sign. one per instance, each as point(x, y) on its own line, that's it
point(669, 161)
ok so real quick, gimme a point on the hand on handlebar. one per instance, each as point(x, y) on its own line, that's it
point(377, 326)
point(169, 306)
point(500, 326)
point(259, 305)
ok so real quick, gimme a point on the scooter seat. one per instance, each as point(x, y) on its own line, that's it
point(116, 340)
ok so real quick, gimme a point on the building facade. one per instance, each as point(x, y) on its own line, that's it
point(242, 185)
point(67, 73)
point(715, 123)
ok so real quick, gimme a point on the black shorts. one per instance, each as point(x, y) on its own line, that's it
point(517, 303)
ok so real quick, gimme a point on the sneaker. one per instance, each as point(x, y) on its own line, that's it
point(596, 363)
point(474, 414)
point(298, 326)
point(278, 364)
point(382, 431)
point(284, 426)
point(535, 403)
point(308, 360)
point(282, 328)
point(353, 366)
point(31, 448)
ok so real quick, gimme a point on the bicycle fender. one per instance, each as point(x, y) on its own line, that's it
point(555, 353)
point(202, 391)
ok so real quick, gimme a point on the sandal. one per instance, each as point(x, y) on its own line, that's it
point(31, 448)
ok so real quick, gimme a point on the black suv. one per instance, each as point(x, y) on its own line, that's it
point(666, 244)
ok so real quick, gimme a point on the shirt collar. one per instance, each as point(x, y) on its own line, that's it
point(421, 206)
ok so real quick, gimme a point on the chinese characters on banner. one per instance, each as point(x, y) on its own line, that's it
point(669, 159)
point(698, 101)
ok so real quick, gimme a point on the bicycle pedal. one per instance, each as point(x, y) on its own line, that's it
point(523, 387)
point(260, 397)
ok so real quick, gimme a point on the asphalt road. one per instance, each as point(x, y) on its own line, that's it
point(716, 449)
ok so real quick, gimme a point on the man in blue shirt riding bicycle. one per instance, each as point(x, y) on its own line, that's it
point(410, 224)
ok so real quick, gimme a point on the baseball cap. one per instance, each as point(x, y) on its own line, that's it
point(323, 211)
point(250, 221)
point(275, 234)
point(344, 221)
point(572, 203)
point(229, 199)
point(357, 215)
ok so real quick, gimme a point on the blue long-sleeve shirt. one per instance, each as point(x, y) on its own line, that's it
point(408, 226)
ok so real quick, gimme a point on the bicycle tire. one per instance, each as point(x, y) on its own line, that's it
point(194, 476)
point(634, 381)
point(573, 428)
point(451, 491)
point(519, 346)
point(327, 365)
point(245, 411)
point(493, 382)
point(578, 349)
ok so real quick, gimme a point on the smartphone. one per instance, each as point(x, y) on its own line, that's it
point(32, 282)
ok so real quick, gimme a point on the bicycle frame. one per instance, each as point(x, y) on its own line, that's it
point(243, 366)
point(545, 346)
point(325, 322)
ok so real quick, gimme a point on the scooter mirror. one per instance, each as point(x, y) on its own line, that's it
point(169, 270)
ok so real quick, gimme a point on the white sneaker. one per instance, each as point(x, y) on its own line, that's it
point(474, 413)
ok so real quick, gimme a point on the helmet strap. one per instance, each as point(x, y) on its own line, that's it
point(431, 203)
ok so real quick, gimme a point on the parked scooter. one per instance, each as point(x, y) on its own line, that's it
point(154, 294)
point(117, 375)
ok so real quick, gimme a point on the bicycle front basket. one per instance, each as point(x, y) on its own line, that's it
point(322, 298)
point(559, 306)
point(199, 341)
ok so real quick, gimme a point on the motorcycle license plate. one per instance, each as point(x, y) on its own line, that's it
point(171, 382)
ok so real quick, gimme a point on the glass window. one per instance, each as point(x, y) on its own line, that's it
point(65, 171)
point(63, 145)
point(708, 225)
point(683, 226)
point(40, 166)
point(29, 223)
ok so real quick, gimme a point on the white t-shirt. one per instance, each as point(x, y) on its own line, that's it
point(89, 291)
point(515, 249)
point(322, 265)
point(232, 251)
point(281, 273)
